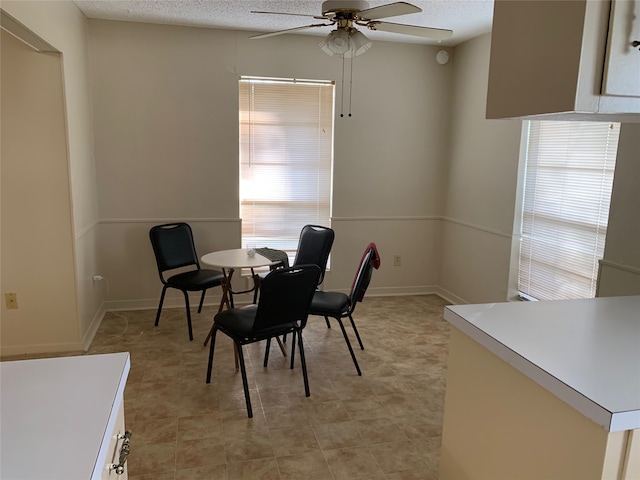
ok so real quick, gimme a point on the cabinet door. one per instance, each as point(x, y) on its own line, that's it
point(114, 449)
point(622, 65)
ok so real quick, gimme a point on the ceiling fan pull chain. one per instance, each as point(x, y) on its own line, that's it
point(342, 91)
point(350, 83)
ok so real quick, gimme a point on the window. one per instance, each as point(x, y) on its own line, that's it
point(567, 191)
point(286, 158)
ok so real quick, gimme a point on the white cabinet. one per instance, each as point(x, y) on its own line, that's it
point(60, 417)
point(543, 390)
point(116, 438)
point(622, 65)
point(548, 60)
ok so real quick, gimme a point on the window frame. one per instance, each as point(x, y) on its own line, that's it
point(265, 132)
point(519, 237)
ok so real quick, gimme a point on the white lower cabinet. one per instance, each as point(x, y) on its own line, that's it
point(61, 417)
point(543, 390)
point(115, 452)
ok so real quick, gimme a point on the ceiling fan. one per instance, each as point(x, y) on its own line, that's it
point(346, 40)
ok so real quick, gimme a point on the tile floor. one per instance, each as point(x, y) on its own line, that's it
point(385, 424)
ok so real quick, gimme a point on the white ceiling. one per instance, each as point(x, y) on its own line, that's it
point(467, 18)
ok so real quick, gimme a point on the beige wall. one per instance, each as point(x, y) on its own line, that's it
point(480, 193)
point(37, 240)
point(417, 169)
point(61, 24)
point(166, 129)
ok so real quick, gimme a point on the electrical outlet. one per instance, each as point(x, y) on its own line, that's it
point(397, 260)
point(11, 301)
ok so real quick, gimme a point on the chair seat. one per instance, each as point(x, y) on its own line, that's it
point(239, 322)
point(196, 280)
point(329, 304)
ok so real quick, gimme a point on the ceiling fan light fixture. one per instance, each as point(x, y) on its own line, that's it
point(336, 43)
point(358, 44)
point(345, 42)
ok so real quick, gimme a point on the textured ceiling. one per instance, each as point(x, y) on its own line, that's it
point(467, 18)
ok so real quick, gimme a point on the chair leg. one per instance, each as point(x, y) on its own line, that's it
point(281, 345)
point(266, 353)
point(293, 347)
point(201, 300)
point(356, 331)
point(186, 301)
point(211, 347)
point(245, 384)
point(326, 319)
point(164, 290)
point(346, 339)
point(231, 298)
point(256, 287)
point(304, 364)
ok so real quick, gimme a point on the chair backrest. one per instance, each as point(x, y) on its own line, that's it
point(285, 296)
point(173, 246)
point(370, 260)
point(314, 247)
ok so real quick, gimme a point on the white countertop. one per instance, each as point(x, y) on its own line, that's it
point(55, 414)
point(586, 352)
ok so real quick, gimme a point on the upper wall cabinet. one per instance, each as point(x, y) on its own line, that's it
point(565, 59)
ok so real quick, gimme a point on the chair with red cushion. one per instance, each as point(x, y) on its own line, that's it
point(338, 305)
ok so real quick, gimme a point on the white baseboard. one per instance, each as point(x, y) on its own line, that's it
point(450, 297)
point(93, 328)
point(45, 348)
point(169, 302)
point(178, 302)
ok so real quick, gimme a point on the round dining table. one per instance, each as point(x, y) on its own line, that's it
point(230, 261)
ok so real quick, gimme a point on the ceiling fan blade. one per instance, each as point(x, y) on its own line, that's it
point(390, 10)
point(289, 30)
point(319, 17)
point(425, 32)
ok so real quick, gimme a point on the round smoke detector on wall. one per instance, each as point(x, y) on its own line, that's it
point(442, 57)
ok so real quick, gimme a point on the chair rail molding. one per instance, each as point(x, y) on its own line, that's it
point(168, 220)
point(386, 219)
point(480, 228)
point(474, 226)
point(84, 230)
point(619, 266)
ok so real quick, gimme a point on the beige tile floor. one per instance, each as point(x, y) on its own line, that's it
point(385, 424)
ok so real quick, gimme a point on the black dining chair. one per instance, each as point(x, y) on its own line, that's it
point(339, 305)
point(174, 248)
point(314, 247)
point(283, 308)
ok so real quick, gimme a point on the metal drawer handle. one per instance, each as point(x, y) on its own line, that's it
point(124, 453)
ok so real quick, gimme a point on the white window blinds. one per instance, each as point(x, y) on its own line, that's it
point(286, 154)
point(567, 191)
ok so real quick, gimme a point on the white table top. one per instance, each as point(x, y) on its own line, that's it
point(586, 352)
point(55, 415)
point(236, 258)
